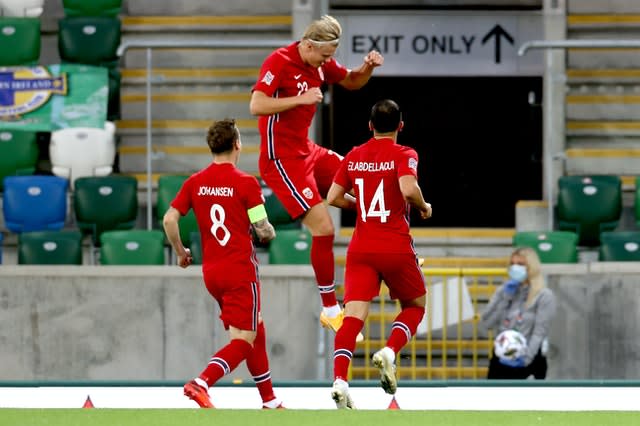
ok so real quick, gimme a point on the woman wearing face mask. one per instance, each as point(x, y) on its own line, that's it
point(525, 304)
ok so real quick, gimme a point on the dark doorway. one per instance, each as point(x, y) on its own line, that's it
point(479, 141)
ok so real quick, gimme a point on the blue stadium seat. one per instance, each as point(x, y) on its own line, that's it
point(34, 203)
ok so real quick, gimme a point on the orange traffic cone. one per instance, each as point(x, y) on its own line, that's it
point(393, 405)
point(88, 403)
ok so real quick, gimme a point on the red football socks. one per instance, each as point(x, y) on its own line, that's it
point(344, 344)
point(322, 261)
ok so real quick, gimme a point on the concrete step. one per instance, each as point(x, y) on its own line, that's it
point(179, 159)
point(602, 161)
point(618, 142)
point(603, 58)
point(609, 106)
point(208, 7)
point(449, 242)
point(244, 76)
point(603, 7)
point(196, 103)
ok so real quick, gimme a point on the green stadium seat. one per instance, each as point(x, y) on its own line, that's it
point(290, 247)
point(168, 187)
point(132, 247)
point(196, 248)
point(19, 41)
point(551, 246)
point(92, 7)
point(619, 246)
point(589, 205)
point(18, 153)
point(90, 40)
point(50, 248)
point(105, 203)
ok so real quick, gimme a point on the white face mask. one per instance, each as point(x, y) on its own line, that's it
point(518, 272)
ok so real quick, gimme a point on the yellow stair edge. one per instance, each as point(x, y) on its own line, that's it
point(604, 73)
point(603, 19)
point(602, 152)
point(531, 203)
point(602, 99)
point(603, 125)
point(358, 372)
point(450, 262)
point(450, 232)
point(229, 20)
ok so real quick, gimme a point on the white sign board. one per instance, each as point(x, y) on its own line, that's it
point(456, 298)
point(429, 43)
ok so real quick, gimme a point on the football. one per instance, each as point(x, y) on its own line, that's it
point(510, 344)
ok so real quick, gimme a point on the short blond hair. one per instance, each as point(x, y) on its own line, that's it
point(327, 29)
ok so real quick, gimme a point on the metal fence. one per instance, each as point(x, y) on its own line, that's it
point(449, 343)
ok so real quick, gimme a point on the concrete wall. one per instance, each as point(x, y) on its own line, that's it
point(149, 323)
point(158, 323)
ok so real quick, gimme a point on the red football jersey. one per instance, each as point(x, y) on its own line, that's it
point(283, 74)
point(372, 170)
point(220, 196)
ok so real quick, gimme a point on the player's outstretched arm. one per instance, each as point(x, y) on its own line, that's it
point(413, 195)
point(358, 77)
point(172, 229)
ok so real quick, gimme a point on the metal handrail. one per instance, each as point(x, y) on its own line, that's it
point(573, 44)
point(149, 45)
point(569, 44)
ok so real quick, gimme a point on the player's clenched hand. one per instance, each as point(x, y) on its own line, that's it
point(374, 59)
point(426, 212)
point(311, 96)
point(186, 259)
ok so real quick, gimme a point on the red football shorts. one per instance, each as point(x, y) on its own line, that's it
point(400, 272)
point(301, 182)
point(239, 302)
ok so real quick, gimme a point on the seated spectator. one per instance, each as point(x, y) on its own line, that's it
point(525, 304)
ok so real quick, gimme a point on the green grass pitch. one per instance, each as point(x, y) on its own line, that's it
point(195, 417)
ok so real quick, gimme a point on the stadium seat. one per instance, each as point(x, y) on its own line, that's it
point(196, 248)
point(278, 216)
point(168, 186)
point(551, 246)
point(50, 248)
point(589, 205)
point(18, 153)
point(290, 247)
point(619, 246)
point(90, 40)
point(92, 8)
point(132, 247)
point(34, 203)
point(105, 203)
point(80, 151)
point(19, 41)
point(23, 8)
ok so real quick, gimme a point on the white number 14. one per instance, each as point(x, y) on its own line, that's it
point(376, 208)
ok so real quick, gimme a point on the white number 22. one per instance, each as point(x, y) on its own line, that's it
point(376, 208)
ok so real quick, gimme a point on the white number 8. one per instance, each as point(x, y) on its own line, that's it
point(217, 216)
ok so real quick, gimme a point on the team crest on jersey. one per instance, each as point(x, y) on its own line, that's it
point(268, 78)
point(25, 89)
point(413, 163)
point(308, 193)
